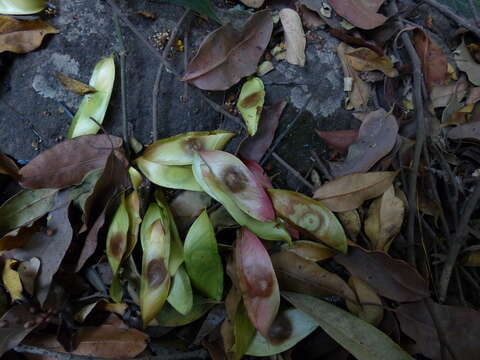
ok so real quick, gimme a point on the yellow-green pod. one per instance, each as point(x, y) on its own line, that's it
point(179, 149)
point(94, 105)
point(169, 176)
point(181, 294)
point(155, 279)
point(250, 103)
point(117, 236)
point(21, 7)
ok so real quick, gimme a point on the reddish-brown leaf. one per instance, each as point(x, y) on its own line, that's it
point(391, 278)
point(67, 163)
point(376, 138)
point(339, 140)
point(353, 40)
point(459, 327)
point(257, 281)
point(434, 61)
point(361, 13)
point(227, 55)
point(254, 147)
point(17, 323)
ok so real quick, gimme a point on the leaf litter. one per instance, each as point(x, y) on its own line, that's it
point(359, 265)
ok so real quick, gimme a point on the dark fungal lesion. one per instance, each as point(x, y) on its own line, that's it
point(156, 272)
point(235, 179)
point(251, 100)
point(192, 145)
point(281, 330)
point(117, 245)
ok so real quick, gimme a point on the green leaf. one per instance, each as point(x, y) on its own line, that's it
point(155, 279)
point(169, 176)
point(310, 216)
point(181, 294)
point(176, 246)
point(362, 340)
point(169, 317)
point(243, 331)
point(94, 105)
point(117, 236)
point(202, 260)
point(269, 230)
point(289, 328)
point(250, 103)
point(179, 149)
point(21, 7)
point(25, 207)
point(201, 6)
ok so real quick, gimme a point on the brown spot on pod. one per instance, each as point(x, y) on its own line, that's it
point(192, 145)
point(280, 330)
point(156, 272)
point(117, 245)
point(251, 100)
point(261, 285)
point(235, 180)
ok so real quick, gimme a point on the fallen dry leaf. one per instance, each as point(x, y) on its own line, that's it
point(361, 13)
point(295, 41)
point(391, 278)
point(365, 59)
point(384, 220)
point(467, 64)
point(458, 326)
point(300, 275)
point(8, 166)
point(74, 86)
point(343, 35)
point(351, 223)
point(218, 67)
point(67, 163)
point(470, 131)
point(377, 136)
point(11, 279)
point(339, 140)
point(14, 328)
point(350, 191)
point(253, 3)
point(441, 95)
point(310, 250)
point(434, 60)
point(309, 18)
point(357, 89)
point(254, 147)
point(28, 271)
point(373, 312)
point(22, 36)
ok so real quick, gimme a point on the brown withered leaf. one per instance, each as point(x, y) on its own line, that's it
point(74, 86)
point(459, 326)
point(22, 36)
point(114, 179)
point(391, 278)
point(434, 60)
point(467, 63)
point(359, 93)
point(341, 34)
point(227, 55)
point(67, 163)
point(18, 322)
point(441, 95)
point(8, 166)
point(18, 237)
point(384, 220)
point(361, 13)
point(339, 140)
point(350, 191)
point(365, 59)
point(366, 295)
point(254, 147)
point(295, 41)
point(48, 246)
point(470, 131)
point(377, 136)
point(298, 274)
point(104, 341)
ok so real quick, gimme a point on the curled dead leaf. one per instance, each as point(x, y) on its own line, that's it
point(295, 41)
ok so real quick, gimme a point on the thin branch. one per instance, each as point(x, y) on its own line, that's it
point(293, 171)
point(123, 81)
point(158, 77)
point(165, 63)
point(445, 10)
point(279, 138)
point(458, 242)
point(323, 166)
point(420, 133)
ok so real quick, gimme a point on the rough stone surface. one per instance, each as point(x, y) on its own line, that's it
point(31, 97)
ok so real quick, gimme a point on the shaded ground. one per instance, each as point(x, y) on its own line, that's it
point(33, 118)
